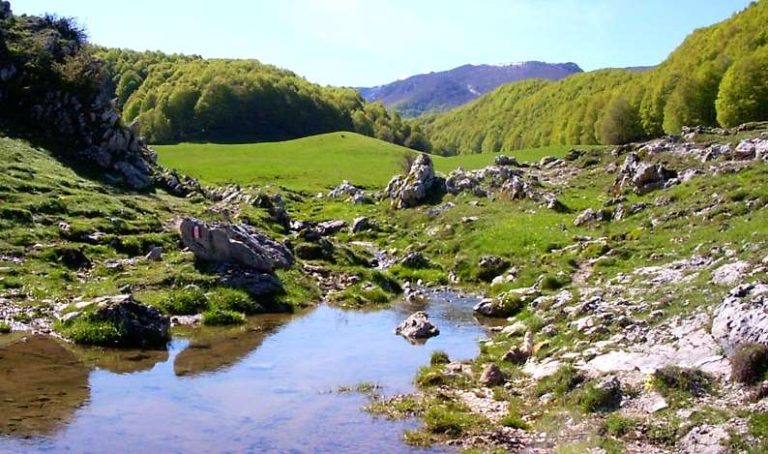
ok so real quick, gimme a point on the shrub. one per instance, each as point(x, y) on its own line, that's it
point(749, 363)
point(5, 328)
point(551, 283)
point(234, 300)
point(439, 357)
point(510, 304)
point(17, 215)
point(616, 425)
point(428, 376)
point(679, 382)
point(566, 379)
point(219, 317)
point(596, 398)
point(187, 301)
point(448, 419)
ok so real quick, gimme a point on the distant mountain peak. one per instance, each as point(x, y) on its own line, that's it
point(444, 90)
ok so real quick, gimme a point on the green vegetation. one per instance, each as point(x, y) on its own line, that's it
point(439, 357)
point(84, 330)
point(5, 328)
point(716, 75)
point(594, 398)
point(678, 384)
point(219, 317)
point(749, 363)
point(617, 425)
point(566, 379)
point(187, 301)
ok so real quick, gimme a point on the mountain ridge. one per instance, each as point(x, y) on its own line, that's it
point(443, 90)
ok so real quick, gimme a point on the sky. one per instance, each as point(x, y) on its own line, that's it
point(371, 42)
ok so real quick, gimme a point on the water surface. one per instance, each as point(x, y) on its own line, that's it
point(270, 386)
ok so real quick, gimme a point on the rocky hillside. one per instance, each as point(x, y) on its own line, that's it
point(715, 77)
point(444, 90)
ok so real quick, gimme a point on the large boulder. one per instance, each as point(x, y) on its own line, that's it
point(742, 317)
point(234, 243)
point(417, 326)
point(643, 177)
point(416, 187)
point(138, 325)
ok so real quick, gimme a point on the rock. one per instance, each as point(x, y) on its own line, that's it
point(415, 260)
point(416, 187)
point(515, 355)
point(359, 224)
point(731, 273)
point(330, 227)
point(490, 266)
point(255, 284)
point(742, 317)
point(234, 243)
point(492, 376)
point(140, 325)
point(588, 216)
point(352, 193)
point(72, 258)
point(417, 326)
point(155, 254)
point(644, 177)
point(752, 149)
point(177, 184)
point(705, 439)
point(611, 386)
point(514, 329)
point(503, 160)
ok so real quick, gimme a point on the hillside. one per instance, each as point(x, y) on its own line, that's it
point(315, 163)
point(174, 98)
point(444, 90)
point(716, 77)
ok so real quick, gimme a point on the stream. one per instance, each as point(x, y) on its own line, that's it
point(269, 386)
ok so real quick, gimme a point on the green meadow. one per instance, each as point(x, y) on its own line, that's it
point(314, 163)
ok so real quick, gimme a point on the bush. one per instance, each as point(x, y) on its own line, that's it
point(448, 419)
point(596, 398)
point(566, 379)
point(5, 328)
point(220, 317)
point(616, 425)
point(187, 301)
point(234, 300)
point(749, 363)
point(439, 357)
point(551, 283)
point(677, 382)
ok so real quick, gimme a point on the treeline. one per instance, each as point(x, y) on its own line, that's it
point(718, 76)
point(177, 98)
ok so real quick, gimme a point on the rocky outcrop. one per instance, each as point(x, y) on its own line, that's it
point(349, 192)
point(416, 187)
point(705, 439)
point(492, 376)
point(139, 325)
point(176, 184)
point(417, 326)
point(234, 243)
point(643, 177)
point(742, 317)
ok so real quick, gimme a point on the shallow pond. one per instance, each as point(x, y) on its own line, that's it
point(270, 386)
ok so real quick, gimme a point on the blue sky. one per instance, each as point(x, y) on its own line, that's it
point(370, 42)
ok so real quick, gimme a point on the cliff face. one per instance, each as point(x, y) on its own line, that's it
point(51, 89)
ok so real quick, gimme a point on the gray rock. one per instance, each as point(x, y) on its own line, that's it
point(705, 439)
point(588, 216)
point(238, 244)
point(330, 227)
point(503, 160)
point(155, 254)
point(742, 317)
point(492, 376)
point(415, 260)
point(416, 187)
point(417, 326)
point(360, 224)
point(141, 325)
point(731, 273)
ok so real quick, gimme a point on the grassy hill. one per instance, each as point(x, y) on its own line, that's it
point(313, 163)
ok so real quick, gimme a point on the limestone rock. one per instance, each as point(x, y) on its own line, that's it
point(360, 224)
point(416, 187)
point(705, 439)
point(155, 254)
point(417, 326)
point(730, 274)
point(234, 243)
point(492, 376)
point(742, 317)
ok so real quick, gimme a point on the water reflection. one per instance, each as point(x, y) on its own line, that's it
point(42, 384)
point(263, 387)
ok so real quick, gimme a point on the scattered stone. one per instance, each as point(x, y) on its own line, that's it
point(503, 160)
point(644, 177)
point(352, 193)
point(360, 224)
point(705, 439)
point(417, 326)
point(415, 260)
point(588, 216)
point(492, 376)
point(491, 266)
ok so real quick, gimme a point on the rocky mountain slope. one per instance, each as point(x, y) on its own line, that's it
point(444, 90)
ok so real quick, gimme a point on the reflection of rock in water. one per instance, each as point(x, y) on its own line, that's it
point(41, 385)
point(120, 361)
point(216, 349)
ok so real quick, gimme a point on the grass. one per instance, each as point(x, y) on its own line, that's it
point(222, 317)
point(5, 328)
point(679, 384)
point(314, 163)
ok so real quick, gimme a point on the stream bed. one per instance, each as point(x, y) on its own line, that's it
point(269, 386)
